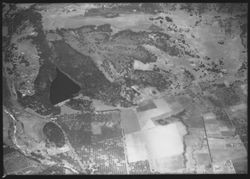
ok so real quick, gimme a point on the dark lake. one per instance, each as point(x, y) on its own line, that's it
point(62, 88)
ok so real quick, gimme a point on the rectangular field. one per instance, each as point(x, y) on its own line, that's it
point(129, 121)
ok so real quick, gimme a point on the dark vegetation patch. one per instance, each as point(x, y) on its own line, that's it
point(243, 29)
point(39, 102)
point(80, 104)
point(231, 8)
point(168, 19)
point(156, 18)
point(80, 132)
point(104, 28)
point(35, 19)
point(215, 101)
point(151, 78)
point(37, 156)
point(161, 122)
point(86, 28)
point(241, 124)
point(6, 94)
point(243, 67)
point(188, 78)
point(86, 73)
point(121, 64)
point(78, 128)
point(236, 86)
point(222, 116)
point(82, 69)
point(163, 42)
point(9, 55)
point(180, 115)
point(240, 166)
point(54, 134)
point(146, 56)
point(8, 150)
point(111, 95)
point(226, 95)
point(128, 34)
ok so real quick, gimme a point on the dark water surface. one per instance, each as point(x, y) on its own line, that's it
point(62, 88)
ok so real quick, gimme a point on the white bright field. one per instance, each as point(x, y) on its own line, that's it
point(155, 143)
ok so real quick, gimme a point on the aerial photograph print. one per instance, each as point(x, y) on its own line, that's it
point(124, 88)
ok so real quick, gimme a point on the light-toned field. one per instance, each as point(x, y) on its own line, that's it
point(141, 66)
point(174, 164)
point(100, 106)
point(155, 143)
point(67, 110)
point(124, 21)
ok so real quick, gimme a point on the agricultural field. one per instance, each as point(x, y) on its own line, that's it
point(124, 88)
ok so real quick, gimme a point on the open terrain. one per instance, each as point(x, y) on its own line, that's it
point(125, 88)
